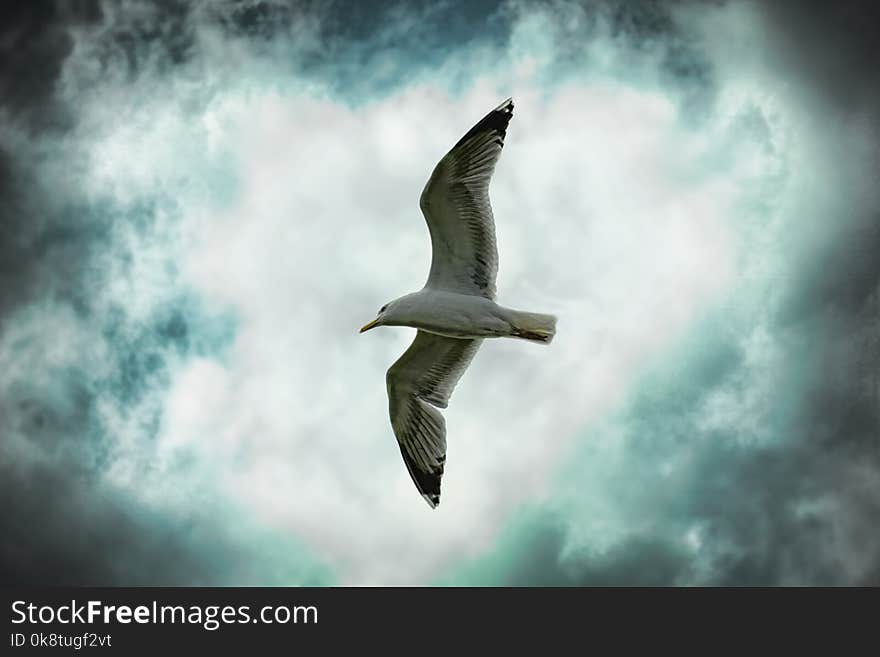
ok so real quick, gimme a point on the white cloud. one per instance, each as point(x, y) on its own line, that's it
point(299, 214)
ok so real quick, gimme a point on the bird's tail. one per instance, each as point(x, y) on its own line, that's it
point(536, 327)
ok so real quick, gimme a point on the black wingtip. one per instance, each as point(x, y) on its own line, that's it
point(507, 105)
point(495, 121)
point(427, 483)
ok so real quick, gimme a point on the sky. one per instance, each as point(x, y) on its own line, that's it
point(201, 203)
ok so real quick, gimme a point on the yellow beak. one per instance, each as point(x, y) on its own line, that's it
point(367, 327)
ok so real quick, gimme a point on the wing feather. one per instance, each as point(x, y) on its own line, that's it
point(420, 382)
point(456, 206)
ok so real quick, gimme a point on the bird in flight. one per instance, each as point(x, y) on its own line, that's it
point(456, 308)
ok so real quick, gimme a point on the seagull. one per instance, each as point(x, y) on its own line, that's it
point(456, 308)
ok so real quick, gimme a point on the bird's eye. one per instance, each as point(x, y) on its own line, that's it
point(382, 309)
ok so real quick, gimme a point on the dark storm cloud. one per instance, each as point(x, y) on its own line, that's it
point(62, 528)
point(833, 46)
point(36, 260)
point(158, 35)
point(650, 28)
point(801, 511)
point(34, 43)
point(645, 560)
point(800, 508)
point(368, 48)
point(59, 522)
point(833, 50)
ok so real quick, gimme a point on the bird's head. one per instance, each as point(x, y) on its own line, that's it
point(383, 317)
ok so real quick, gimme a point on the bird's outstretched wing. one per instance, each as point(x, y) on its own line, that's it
point(419, 383)
point(455, 203)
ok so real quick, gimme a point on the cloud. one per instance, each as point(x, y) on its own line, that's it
point(743, 456)
point(235, 194)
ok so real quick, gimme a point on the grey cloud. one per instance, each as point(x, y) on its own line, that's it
point(34, 43)
point(797, 509)
point(832, 47)
point(646, 560)
point(63, 528)
point(800, 509)
point(63, 522)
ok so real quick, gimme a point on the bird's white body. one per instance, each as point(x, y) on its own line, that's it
point(465, 316)
point(451, 314)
